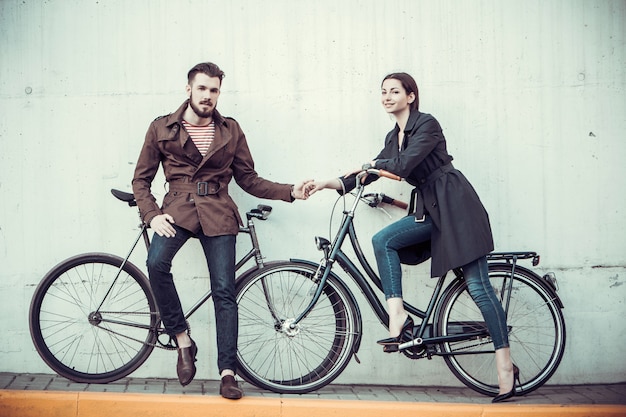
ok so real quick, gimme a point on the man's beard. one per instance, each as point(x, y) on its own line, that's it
point(200, 113)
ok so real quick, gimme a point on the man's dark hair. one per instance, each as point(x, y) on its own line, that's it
point(207, 68)
point(409, 84)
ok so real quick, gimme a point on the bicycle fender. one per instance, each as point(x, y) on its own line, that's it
point(549, 288)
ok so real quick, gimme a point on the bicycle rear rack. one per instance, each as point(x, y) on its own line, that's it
point(514, 256)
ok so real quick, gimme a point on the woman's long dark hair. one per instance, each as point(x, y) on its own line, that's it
point(409, 84)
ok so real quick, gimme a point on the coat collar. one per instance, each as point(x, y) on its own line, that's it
point(413, 118)
point(177, 116)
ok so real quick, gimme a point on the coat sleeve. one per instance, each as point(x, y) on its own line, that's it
point(421, 141)
point(145, 171)
point(246, 176)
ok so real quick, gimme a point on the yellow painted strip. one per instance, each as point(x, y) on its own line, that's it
point(87, 404)
point(38, 404)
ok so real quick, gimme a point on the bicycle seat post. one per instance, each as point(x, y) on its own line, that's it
point(251, 230)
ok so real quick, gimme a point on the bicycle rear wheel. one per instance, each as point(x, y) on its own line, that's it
point(536, 332)
point(276, 357)
point(83, 340)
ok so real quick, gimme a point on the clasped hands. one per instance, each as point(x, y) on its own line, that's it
point(310, 187)
point(162, 223)
point(304, 189)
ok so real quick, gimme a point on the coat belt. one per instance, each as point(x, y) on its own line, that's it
point(417, 198)
point(201, 188)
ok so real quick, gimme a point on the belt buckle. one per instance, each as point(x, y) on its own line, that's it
point(203, 188)
point(420, 220)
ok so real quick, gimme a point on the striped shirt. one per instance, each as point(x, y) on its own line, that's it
point(202, 136)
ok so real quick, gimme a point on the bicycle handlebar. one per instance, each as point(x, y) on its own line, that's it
point(388, 200)
point(383, 173)
point(378, 198)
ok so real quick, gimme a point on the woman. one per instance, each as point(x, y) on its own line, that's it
point(447, 221)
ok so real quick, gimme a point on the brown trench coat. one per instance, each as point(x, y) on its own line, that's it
point(215, 213)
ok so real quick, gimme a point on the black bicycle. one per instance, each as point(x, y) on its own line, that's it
point(300, 325)
point(93, 317)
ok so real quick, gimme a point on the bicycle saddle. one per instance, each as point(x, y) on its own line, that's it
point(123, 196)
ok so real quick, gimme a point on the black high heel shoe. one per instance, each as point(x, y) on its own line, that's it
point(511, 393)
point(390, 344)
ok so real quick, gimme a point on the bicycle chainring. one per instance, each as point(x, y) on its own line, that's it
point(415, 352)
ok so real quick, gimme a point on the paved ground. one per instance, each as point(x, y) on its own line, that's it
point(550, 394)
point(40, 395)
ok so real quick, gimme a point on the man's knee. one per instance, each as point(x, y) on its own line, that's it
point(157, 264)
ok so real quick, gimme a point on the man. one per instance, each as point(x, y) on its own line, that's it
point(200, 151)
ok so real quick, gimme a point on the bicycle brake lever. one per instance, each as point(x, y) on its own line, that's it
point(385, 211)
point(372, 199)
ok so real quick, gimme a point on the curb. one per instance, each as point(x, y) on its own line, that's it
point(87, 404)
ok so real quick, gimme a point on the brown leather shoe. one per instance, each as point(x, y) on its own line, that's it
point(229, 388)
point(186, 366)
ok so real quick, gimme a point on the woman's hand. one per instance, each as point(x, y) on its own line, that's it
point(364, 167)
point(312, 187)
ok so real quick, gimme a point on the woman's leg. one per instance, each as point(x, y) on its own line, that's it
point(504, 366)
point(397, 315)
point(477, 277)
point(387, 242)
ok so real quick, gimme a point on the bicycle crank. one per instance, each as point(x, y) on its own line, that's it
point(416, 351)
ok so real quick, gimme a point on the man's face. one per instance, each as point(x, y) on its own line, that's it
point(203, 93)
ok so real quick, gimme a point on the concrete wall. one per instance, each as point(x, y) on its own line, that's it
point(531, 95)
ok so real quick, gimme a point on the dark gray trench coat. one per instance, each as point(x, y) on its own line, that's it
point(461, 229)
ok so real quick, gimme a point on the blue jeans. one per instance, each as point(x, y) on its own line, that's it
point(220, 256)
point(407, 232)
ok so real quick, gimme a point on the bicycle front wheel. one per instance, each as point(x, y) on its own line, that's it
point(275, 356)
point(93, 321)
point(536, 331)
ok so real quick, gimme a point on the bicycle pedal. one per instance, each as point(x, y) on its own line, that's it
point(390, 348)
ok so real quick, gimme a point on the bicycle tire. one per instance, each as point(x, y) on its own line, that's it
point(80, 344)
point(272, 356)
point(536, 332)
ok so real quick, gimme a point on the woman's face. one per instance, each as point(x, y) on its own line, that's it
point(394, 97)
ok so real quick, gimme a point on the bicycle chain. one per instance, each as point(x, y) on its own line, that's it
point(424, 350)
point(475, 345)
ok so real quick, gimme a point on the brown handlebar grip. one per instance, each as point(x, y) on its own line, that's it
point(388, 200)
point(389, 175)
point(400, 204)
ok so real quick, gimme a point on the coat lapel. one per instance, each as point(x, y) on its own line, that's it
point(221, 139)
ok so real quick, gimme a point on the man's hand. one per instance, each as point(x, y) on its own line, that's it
point(299, 190)
point(162, 225)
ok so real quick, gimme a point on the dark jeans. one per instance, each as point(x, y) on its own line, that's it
point(220, 256)
point(407, 232)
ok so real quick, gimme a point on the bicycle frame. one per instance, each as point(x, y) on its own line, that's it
point(255, 252)
point(334, 254)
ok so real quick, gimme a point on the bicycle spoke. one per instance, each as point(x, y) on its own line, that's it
point(536, 334)
point(282, 357)
point(86, 345)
